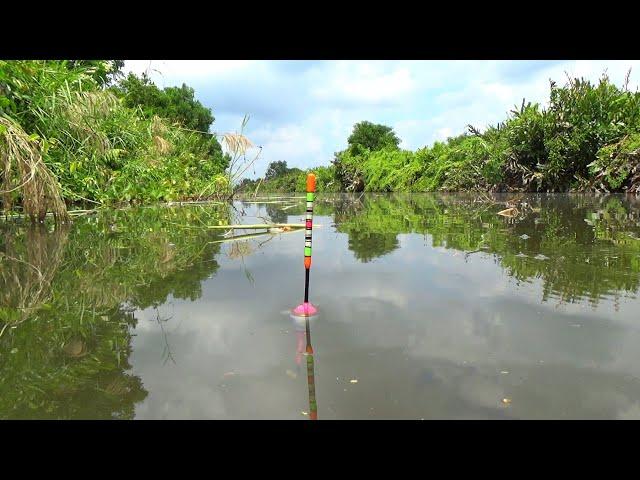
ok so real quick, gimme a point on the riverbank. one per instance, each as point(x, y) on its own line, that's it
point(79, 131)
point(586, 139)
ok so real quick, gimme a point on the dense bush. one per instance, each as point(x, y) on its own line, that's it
point(588, 132)
point(110, 144)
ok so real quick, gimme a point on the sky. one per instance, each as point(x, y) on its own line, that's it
point(303, 111)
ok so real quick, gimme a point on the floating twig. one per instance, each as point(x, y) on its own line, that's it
point(259, 225)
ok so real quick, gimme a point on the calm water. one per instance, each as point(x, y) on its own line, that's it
point(430, 307)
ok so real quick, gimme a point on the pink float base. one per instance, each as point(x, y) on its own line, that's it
point(305, 310)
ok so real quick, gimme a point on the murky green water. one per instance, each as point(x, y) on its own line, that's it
point(430, 307)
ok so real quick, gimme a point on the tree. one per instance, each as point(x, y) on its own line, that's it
point(371, 136)
point(177, 104)
point(276, 169)
point(182, 106)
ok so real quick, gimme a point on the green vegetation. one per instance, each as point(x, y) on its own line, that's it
point(587, 139)
point(105, 143)
point(281, 179)
point(173, 103)
point(66, 301)
point(367, 136)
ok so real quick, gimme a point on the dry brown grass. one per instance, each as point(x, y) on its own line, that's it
point(23, 171)
point(162, 146)
point(236, 143)
point(84, 111)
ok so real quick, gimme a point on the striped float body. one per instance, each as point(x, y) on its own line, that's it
point(308, 228)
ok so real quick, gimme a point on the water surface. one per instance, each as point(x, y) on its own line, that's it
point(431, 307)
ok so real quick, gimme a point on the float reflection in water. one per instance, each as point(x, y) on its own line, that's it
point(302, 327)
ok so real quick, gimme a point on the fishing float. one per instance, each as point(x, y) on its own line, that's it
point(307, 309)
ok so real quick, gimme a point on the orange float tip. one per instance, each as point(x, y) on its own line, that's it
point(310, 349)
point(311, 183)
point(307, 262)
point(313, 415)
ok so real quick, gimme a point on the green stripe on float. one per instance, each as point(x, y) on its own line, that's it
point(307, 251)
point(309, 196)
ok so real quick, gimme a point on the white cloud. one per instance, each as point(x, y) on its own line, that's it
point(367, 83)
point(289, 141)
point(443, 133)
point(178, 71)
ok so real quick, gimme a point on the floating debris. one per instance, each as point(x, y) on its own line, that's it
point(509, 212)
point(522, 255)
point(506, 401)
point(541, 257)
point(304, 413)
point(353, 380)
point(524, 236)
point(504, 371)
point(292, 374)
point(229, 374)
point(260, 226)
point(280, 229)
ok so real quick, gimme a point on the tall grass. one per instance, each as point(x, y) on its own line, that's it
point(99, 149)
